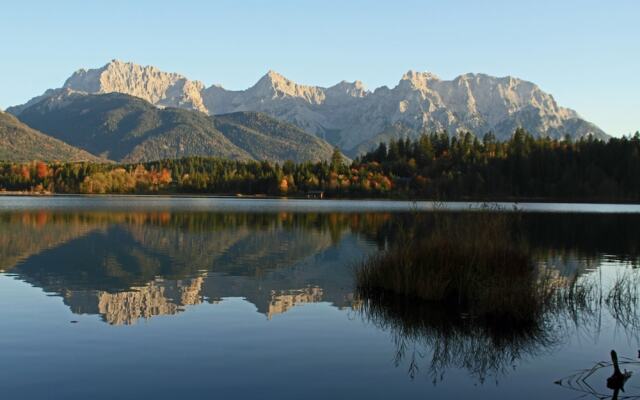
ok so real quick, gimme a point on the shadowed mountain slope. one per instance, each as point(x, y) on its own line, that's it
point(129, 129)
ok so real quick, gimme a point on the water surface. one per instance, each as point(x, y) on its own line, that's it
point(134, 297)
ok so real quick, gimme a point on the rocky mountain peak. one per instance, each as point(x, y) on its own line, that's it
point(348, 89)
point(273, 80)
point(274, 85)
point(275, 76)
point(418, 80)
point(147, 82)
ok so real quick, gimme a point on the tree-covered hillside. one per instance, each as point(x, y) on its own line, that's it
point(266, 138)
point(128, 129)
point(20, 143)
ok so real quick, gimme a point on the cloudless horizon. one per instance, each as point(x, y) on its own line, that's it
point(585, 53)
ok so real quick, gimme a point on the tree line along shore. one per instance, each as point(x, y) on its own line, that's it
point(433, 166)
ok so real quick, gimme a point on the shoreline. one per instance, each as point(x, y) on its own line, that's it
point(537, 200)
point(526, 205)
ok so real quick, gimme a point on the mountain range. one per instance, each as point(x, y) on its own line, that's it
point(347, 114)
point(125, 128)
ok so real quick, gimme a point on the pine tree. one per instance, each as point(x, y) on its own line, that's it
point(337, 159)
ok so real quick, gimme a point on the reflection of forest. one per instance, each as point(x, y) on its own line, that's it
point(25, 234)
point(127, 266)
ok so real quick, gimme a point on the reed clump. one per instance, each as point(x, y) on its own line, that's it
point(471, 290)
point(472, 263)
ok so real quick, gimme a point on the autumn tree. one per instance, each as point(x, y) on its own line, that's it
point(42, 170)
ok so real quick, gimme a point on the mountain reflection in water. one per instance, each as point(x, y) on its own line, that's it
point(128, 266)
point(138, 265)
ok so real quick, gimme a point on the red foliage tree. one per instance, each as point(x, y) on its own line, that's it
point(42, 170)
point(25, 173)
point(165, 176)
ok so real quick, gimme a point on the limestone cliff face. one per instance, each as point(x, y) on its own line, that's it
point(347, 114)
point(356, 119)
point(147, 82)
point(476, 102)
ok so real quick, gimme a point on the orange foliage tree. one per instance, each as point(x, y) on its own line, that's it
point(42, 170)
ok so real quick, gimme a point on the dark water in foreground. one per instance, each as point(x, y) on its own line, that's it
point(220, 298)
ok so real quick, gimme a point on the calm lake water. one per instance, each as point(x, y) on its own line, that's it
point(165, 298)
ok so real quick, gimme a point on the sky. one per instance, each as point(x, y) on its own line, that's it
point(585, 53)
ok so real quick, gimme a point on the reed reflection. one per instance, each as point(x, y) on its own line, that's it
point(482, 291)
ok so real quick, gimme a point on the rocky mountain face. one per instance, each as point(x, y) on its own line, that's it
point(125, 128)
point(147, 82)
point(347, 114)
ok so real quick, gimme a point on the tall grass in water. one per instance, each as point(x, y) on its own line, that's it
point(463, 285)
point(471, 292)
point(623, 300)
point(474, 263)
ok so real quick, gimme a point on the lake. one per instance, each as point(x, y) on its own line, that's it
point(160, 297)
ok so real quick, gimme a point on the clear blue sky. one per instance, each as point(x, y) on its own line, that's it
point(585, 52)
